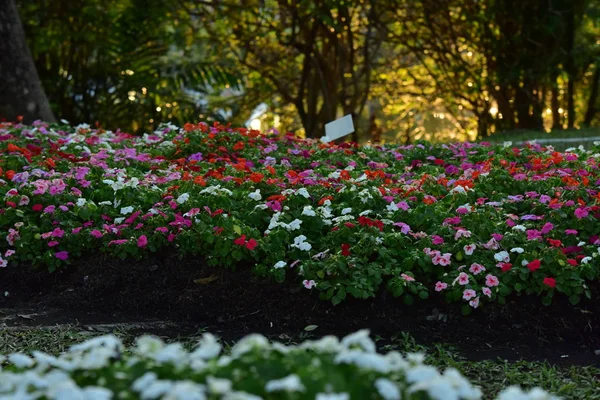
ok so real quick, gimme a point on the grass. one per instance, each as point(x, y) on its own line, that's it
point(517, 136)
point(573, 382)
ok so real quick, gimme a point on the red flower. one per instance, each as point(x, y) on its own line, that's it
point(37, 207)
point(240, 241)
point(572, 262)
point(505, 267)
point(11, 204)
point(345, 249)
point(349, 224)
point(251, 244)
point(256, 177)
point(534, 265)
point(550, 282)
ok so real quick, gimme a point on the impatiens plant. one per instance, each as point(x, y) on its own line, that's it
point(325, 369)
point(473, 223)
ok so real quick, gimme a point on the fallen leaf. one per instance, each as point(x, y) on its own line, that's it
point(311, 328)
point(25, 316)
point(206, 281)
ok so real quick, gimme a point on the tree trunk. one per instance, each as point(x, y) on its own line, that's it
point(21, 92)
point(591, 107)
point(555, 106)
point(570, 68)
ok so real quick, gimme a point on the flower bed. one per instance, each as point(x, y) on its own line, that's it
point(326, 369)
point(473, 223)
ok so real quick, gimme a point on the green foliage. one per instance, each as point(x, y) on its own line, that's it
point(122, 63)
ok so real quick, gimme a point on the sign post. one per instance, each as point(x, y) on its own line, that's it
point(338, 128)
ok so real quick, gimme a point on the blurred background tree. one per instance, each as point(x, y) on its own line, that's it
point(426, 69)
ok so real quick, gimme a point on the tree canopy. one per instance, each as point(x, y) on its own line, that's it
point(451, 69)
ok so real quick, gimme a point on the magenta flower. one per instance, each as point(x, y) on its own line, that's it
point(142, 241)
point(571, 232)
point(548, 226)
point(96, 233)
point(62, 255)
point(53, 243)
point(437, 239)
point(581, 212)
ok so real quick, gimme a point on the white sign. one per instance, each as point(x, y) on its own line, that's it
point(338, 128)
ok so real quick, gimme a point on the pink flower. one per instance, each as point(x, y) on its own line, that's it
point(309, 284)
point(533, 234)
point(75, 231)
point(476, 269)
point(437, 239)
point(497, 236)
point(469, 249)
point(96, 233)
point(117, 242)
point(570, 232)
point(460, 232)
point(491, 280)
point(463, 279)
point(407, 278)
point(544, 198)
point(468, 294)
point(9, 253)
point(462, 210)
point(439, 286)
point(62, 255)
point(3, 263)
point(487, 291)
point(581, 212)
point(474, 303)
point(142, 241)
point(53, 243)
point(548, 226)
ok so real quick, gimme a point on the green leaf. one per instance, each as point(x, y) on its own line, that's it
point(574, 299)
point(310, 328)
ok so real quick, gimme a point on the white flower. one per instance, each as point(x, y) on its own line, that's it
point(290, 383)
point(301, 243)
point(346, 210)
point(516, 393)
point(248, 343)
point(218, 385)
point(392, 207)
point(255, 195)
point(361, 339)
point(294, 225)
point(308, 211)
point(279, 264)
point(517, 250)
point(580, 244)
point(208, 347)
point(332, 396)
point(186, 390)
point(502, 256)
point(303, 192)
point(119, 220)
point(387, 389)
point(586, 260)
point(20, 360)
point(183, 198)
point(126, 210)
point(81, 202)
point(519, 228)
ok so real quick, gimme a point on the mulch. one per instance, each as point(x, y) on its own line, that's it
point(233, 303)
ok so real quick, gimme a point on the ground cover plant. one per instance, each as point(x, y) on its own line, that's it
point(254, 368)
point(473, 223)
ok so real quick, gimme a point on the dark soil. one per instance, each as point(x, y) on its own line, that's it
point(100, 289)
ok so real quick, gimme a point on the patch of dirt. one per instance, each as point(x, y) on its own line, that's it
point(101, 290)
